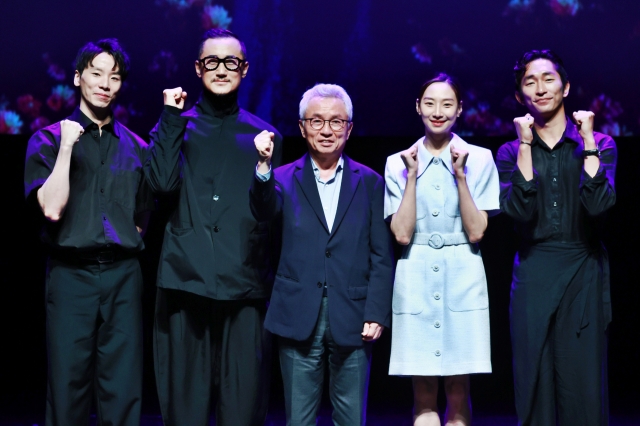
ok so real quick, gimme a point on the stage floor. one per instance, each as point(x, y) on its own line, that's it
point(376, 417)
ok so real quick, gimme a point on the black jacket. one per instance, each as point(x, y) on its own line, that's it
point(212, 246)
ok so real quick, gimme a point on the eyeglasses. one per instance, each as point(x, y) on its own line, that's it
point(335, 123)
point(231, 63)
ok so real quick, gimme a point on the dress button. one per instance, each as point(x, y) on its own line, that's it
point(108, 245)
point(555, 204)
point(102, 190)
point(436, 324)
point(327, 253)
point(554, 179)
point(436, 161)
point(102, 162)
point(216, 198)
point(435, 212)
point(437, 352)
point(436, 268)
point(216, 229)
point(437, 186)
point(436, 295)
point(319, 284)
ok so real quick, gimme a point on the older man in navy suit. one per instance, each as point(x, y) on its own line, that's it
point(332, 294)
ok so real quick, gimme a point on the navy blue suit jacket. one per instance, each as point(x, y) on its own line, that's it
point(355, 259)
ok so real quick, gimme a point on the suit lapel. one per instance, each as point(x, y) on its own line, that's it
point(350, 182)
point(307, 181)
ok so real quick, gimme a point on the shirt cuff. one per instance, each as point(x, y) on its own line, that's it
point(172, 110)
point(597, 179)
point(518, 180)
point(263, 177)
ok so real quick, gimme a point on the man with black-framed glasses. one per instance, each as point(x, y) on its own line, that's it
point(332, 293)
point(215, 270)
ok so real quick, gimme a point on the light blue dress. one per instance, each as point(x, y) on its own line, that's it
point(440, 304)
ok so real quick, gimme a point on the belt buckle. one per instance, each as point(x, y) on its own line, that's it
point(436, 241)
point(106, 256)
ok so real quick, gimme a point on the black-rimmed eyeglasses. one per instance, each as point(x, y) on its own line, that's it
point(335, 123)
point(231, 63)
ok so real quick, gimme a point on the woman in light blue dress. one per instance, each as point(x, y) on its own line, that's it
point(439, 194)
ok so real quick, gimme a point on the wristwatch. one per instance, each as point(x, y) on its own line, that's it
point(588, 152)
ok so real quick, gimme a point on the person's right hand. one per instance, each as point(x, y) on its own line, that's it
point(174, 97)
point(264, 146)
point(410, 159)
point(70, 132)
point(523, 128)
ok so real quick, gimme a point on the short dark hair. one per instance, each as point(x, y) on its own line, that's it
point(521, 66)
point(221, 33)
point(442, 78)
point(109, 45)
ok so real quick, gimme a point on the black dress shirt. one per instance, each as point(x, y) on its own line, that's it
point(106, 186)
point(213, 246)
point(561, 202)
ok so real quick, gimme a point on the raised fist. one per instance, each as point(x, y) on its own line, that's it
point(458, 159)
point(174, 97)
point(584, 121)
point(264, 146)
point(70, 132)
point(410, 159)
point(523, 128)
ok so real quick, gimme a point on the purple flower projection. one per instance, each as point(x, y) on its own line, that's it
point(179, 4)
point(605, 107)
point(421, 54)
point(165, 63)
point(214, 16)
point(565, 7)
point(519, 6)
point(39, 123)
point(29, 105)
point(448, 48)
point(54, 70)
point(480, 120)
point(61, 96)
point(10, 122)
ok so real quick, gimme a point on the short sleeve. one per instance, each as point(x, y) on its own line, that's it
point(393, 192)
point(42, 152)
point(486, 194)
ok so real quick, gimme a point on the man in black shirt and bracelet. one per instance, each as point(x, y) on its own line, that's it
point(85, 173)
point(557, 180)
point(215, 273)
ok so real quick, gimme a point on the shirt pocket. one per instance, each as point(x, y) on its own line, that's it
point(407, 288)
point(466, 282)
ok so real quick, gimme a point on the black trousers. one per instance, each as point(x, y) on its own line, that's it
point(211, 350)
point(558, 332)
point(94, 342)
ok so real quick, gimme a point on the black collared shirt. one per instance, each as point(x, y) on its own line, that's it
point(561, 201)
point(106, 185)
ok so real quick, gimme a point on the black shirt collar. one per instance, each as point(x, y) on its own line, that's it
point(80, 117)
point(219, 105)
point(570, 134)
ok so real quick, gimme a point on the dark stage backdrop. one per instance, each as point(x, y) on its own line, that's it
point(379, 51)
point(22, 314)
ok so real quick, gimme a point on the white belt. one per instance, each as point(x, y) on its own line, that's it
point(437, 240)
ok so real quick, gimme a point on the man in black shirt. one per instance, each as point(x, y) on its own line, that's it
point(86, 175)
point(557, 180)
point(215, 272)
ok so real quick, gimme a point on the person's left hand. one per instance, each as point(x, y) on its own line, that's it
point(459, 160)
point(371, 331)
point(584, 121)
